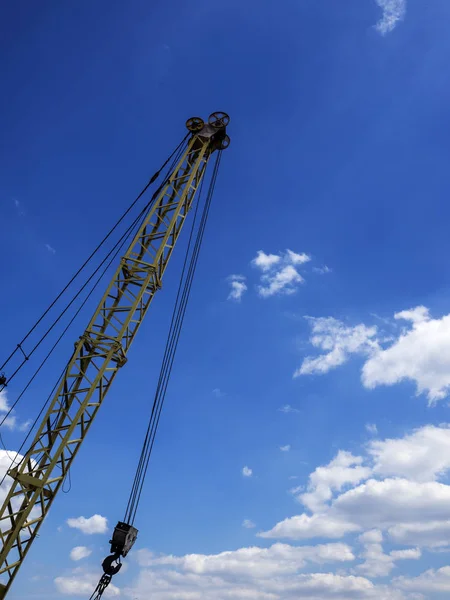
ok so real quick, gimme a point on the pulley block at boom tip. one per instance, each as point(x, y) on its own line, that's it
point(215, 129)
point(100, 352)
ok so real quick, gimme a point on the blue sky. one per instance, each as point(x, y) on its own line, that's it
point(304, 447)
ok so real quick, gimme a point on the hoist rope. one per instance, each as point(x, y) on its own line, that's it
point(52, 304)
point(176, 324)
point(123, 241)
point(114, 252)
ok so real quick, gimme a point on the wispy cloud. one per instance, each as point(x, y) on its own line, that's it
point(248, 524)
point(371, 428)
point(394, 11)
point(11, 422)
point(285, 448)
point(279, 272)
point(50, 249)
point(339, 342)
point(287, 408)
point(19, 207)
point(218, 393)
point(247, 472)
point(238, 287)
point(322, 270)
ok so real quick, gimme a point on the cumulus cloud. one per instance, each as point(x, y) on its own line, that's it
point(407, 554)
point(338, 341)
point(393, 12)
point(94, 524)
point(428, 582)
point(372, 428)
point(285, 448)
point(343, 469)
point(248, 524)
point(394, 488)
point(265, 261)
point(423, 455)
point(80, 552)
point(257, 562)
point(351, 494)
point(247, 472)
point(238, 287)
point(428, 534)
point(172, 582)
point(376, 562)
point(279, 272)
point(255, 573)
point(81, 582)
point(303, 527)
point(420, 353)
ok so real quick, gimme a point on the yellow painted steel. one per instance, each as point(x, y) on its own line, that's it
point(99, 354)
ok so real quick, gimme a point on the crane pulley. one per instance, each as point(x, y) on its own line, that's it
point(99, 354)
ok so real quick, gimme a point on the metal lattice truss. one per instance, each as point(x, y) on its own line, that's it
point(98, 356)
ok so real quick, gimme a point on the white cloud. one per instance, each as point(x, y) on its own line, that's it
point(297, 259)
point(322, 270)
point(303, 527)
point(173, 583)
point(218, 393)
point(255, 573)
point(373, 536)
point(257, 562)
point(343, 469)
point(247, 472)
point(407, 502)
point(238, 287)
point(287, 408)
point(283, 281)
point(279, 272)
point(420, 354)
point(50, 249)
point(423, 455)
point(285, 448)
point(11, 422)
point(431, 534)
point(80, 552)
point(372, 428)
point(4, 406)
point(428, 582)
point(407, 554)
point(382, 503)
point(248, 524)
point(82, 582)
point(94, 524)
point(265, 261)
point(376, 562)
point(393, 12)
point(339, 342)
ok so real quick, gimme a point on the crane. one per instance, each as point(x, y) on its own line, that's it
point(101, 351)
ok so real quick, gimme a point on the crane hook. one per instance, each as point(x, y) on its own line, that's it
point(108, 567)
